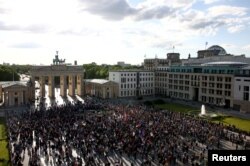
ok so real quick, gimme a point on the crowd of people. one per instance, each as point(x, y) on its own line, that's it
point(100, 132)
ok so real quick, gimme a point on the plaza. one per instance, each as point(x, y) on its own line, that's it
point(105, 132)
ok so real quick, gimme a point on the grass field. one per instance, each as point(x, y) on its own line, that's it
point(4, 154)
point(242, 124)
point(237, 122)
point(178, 108)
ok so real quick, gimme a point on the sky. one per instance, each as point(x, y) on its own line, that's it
point(108, 31)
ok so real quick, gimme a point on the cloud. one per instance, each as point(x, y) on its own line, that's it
point(228, 45)
point(26, 45)
point(222, 10)
point(210, 1)
point(170, 3)
point(4, 26)
point(149, 9)
point(34, 28)
point(4, 11)
point(109, 9)
point(203, 23)
point(236, 28)
point(154, 13)
point(208, 22)
point(246, 47)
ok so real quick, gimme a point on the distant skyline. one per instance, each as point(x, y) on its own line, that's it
point(108, 31)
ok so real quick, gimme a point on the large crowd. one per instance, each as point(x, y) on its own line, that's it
point(99, 132)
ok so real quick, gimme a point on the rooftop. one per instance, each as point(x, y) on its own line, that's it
point(224, 63)
point(98, 81)
point(6, 84)
point(221, 50)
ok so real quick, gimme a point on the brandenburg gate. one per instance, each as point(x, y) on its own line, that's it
point(59, 68)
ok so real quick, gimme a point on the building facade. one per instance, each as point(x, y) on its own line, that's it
point(154, 63)
point(213, 82)
point(214, 53)
point(15, 93)
point(71, 74)
point(242, 90)
point(207, 84)
point(101, 88)
point(134, 83)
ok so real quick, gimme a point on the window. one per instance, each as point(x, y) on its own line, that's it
point(246, 88)
point(246, 96)
point(227, 86)
point(123, 80)
point(203, 90)
point(211, 85)
point(204, 78)
point(219, 85)
point(211, 78)
point(228, 79)
point(218, 100)
point(219, 92)
point(211, 91)
point(203, 98)
point(219, 79)
point(227, 93)
point(211, 99)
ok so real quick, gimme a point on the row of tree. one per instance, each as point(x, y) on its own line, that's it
point(8, 73)
point(92, 70)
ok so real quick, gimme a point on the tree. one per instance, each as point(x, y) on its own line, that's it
point(93, 70)
point(8, 73)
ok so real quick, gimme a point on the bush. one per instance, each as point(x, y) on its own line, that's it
point(159, 101)
point(139, 98)
point(148, 103)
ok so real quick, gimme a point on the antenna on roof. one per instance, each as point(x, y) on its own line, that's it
point(173, 48)
point(206, 45)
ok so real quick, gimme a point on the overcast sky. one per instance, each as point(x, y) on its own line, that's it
point(107, 31)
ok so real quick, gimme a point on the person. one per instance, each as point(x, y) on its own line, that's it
point(97, 129)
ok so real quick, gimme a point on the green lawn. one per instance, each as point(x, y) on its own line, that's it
point(242, 124)
point(178, 108)
point(4, 154)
